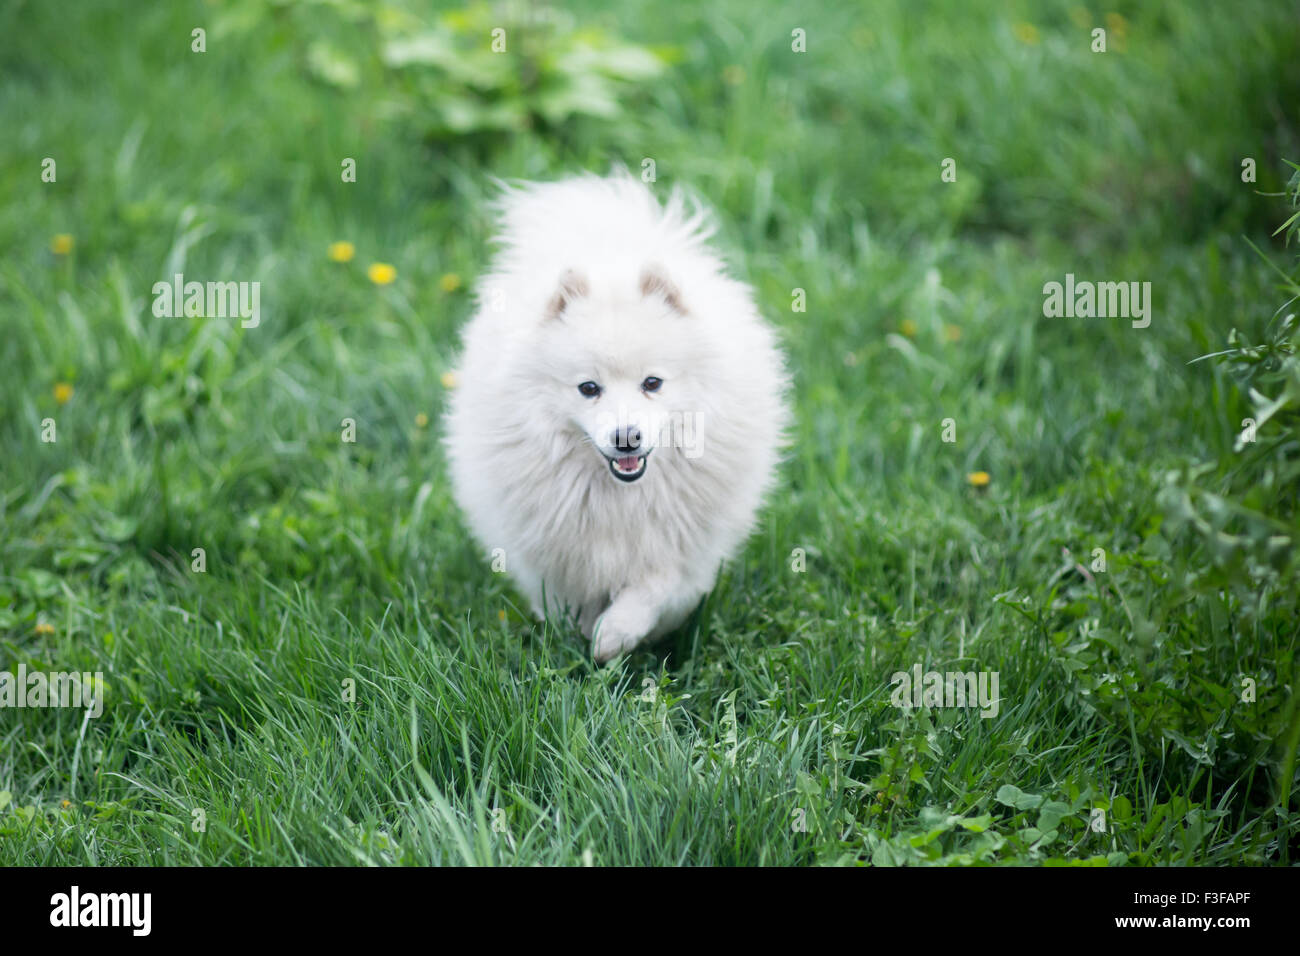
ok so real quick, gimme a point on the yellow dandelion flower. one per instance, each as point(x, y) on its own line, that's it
point(979, 479)
point(342, 251)
point(908, 328)
point(952, 333)
point(43, 628)
point(733, 75)
point(62, 244)
point(65, 804)
point(381, 273)
point(449, 283)
point(1117, 25)
point(1026, 33)
point(421, 420)
point(449, 379)
point(62, 392)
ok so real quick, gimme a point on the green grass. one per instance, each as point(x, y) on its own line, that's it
point(479, 735)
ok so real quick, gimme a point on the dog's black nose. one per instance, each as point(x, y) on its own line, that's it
point(627, 440)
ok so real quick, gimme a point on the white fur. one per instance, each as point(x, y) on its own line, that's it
point(527, 449)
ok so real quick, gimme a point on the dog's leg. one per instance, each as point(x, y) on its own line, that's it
point(589, 616)
point(643, 610)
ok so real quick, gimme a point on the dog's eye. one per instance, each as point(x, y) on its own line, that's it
point(590, 389)
point(652, 384)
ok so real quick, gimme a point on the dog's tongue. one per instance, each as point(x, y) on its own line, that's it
point(627, 464)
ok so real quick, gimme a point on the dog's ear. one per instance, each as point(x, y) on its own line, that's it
point(572, 286)
point(655, 281)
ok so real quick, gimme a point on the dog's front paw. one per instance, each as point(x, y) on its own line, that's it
point(615, 633)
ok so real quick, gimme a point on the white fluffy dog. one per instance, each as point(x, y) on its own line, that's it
point(620, 408)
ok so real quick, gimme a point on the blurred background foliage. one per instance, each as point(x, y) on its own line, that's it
point(1124, 689)
point(438, 74)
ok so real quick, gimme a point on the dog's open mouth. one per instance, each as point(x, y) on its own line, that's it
point(628, 468)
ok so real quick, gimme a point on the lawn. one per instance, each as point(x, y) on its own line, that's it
point(306, 660)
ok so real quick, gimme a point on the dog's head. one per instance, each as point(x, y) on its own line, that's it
point(624, 365)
